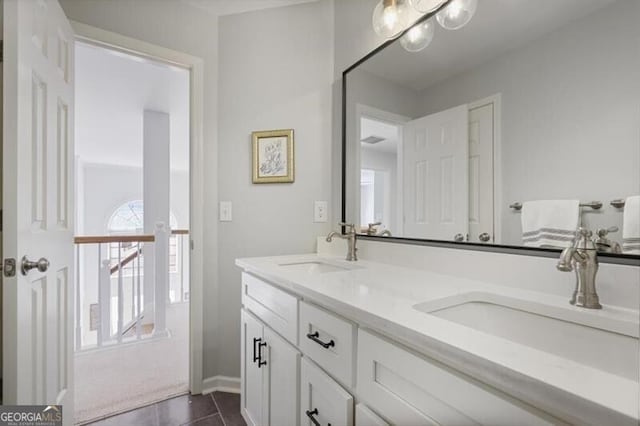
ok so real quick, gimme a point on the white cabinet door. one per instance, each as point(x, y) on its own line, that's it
point(38, 204)
point(322, 400)
point(283, 367)
point(410, 390)
point(254, 383)
point(366, 417)
point(436, 157)
point(270, 376)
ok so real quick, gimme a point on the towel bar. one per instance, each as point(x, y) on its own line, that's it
point(618, 203)
point(596, 205)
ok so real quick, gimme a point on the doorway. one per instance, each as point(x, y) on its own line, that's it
point(380, 155)
point(132, 198)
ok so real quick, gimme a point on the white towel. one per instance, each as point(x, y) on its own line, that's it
point(631, 226)
point(550, 223)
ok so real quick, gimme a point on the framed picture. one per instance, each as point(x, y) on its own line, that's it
point(273, 156)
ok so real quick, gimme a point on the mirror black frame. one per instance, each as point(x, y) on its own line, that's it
point(614, 258)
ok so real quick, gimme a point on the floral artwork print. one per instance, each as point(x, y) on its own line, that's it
point(273, 156)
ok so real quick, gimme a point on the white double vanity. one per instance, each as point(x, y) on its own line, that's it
point(326, 341)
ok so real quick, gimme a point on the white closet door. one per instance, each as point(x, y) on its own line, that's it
point(481, 140)
point(38, 204)
point(436, 156)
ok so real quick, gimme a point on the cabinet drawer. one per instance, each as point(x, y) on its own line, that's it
point(410, 390)
point(278, 309)
point(322, 398)
point(329, 341)
point(366, 417)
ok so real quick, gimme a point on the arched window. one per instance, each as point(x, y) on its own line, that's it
point(129, 219)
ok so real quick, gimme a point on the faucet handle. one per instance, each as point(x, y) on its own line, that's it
point(602, 232)
point(372, 228)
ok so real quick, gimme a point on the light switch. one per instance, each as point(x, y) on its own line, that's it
point(225, 211)
point(320, 211)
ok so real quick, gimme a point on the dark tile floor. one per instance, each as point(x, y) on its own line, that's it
point(214, 409)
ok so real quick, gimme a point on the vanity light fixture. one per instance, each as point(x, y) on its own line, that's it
point(419, 36)
point(391, 17)
point(426, 6)
point(457, 14)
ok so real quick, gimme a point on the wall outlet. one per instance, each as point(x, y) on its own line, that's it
point(226, 214)
point(320, 211)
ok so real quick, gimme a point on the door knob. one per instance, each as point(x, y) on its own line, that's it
point(484, 237)
point(41, 265)
point(458, 238)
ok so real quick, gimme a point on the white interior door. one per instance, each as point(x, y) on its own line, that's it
point(481, 199)
point(436, 149)
point(38, 204)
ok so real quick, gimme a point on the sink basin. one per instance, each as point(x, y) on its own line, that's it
point(314, 267)
point(588, 338)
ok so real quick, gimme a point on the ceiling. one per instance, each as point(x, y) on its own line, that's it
point(112, 90)
point(389, 134)
point(497, 27)
point(231, 7)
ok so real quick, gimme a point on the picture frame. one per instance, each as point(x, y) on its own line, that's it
point(273, 157)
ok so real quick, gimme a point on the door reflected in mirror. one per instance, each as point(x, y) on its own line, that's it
point(514, 130)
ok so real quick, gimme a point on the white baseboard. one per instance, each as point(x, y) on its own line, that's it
point(221, 383)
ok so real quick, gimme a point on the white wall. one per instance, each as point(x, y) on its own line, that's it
point(569, 114)
point(377, 160)
point(113, 90)
point(275, 72)
point(176, 26)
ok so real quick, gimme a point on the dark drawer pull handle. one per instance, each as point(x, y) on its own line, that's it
point(261, 362)
point(314, 337)
point(311, 415)
point(256, 356)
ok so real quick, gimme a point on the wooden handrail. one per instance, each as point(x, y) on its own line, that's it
point(124, 262)
point(99, 239)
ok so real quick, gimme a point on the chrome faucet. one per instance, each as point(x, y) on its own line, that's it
point(582, 257)
point(350, 236)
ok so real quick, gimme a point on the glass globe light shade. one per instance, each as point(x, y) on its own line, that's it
point(426, 6)
point(457, 14)
point(419, 36)
point(390, 17)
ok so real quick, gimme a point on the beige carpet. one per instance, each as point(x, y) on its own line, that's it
point(119, 379)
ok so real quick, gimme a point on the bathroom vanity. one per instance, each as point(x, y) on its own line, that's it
point(326, 341)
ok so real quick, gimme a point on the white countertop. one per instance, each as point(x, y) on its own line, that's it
point(381, 297)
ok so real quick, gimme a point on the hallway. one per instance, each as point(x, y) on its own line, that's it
point(128, 376)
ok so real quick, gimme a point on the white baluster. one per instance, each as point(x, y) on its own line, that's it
point(78, 336)
point(120, 295)
point(161, 279)
point(104, 301)
point(138, 302)
point(181, 248)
